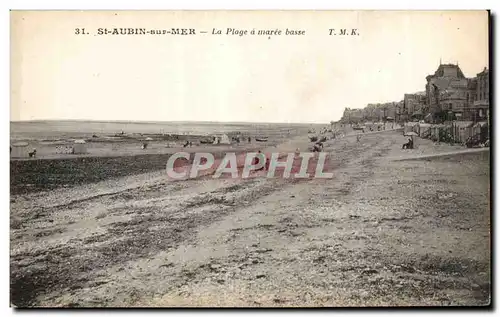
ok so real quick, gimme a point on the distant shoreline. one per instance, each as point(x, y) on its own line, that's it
point(167, 122)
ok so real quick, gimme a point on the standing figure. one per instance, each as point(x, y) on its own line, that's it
point(256, 161)
point(408, 145)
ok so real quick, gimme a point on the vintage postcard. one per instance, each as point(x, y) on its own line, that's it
point(250, 159)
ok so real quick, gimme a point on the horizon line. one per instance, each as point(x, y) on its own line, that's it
point(171, 121)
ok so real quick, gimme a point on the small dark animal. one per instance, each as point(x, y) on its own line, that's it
point(32, 154)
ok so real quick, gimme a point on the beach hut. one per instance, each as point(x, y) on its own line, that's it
point(224, 139)
point(462, 130)
point(19, 150)
point(424, 130)
point(410, 127)
point(436, 131)
point(480, 130)
point(80, 147)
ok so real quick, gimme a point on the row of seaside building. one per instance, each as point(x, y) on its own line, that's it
point(448, 96)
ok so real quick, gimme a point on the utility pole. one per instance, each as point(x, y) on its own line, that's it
point(488, 116)
point(385, 117)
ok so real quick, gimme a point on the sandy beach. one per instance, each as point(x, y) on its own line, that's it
point(111, 154)
point(250, 158)
point(383, 231)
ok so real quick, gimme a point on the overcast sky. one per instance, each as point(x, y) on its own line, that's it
point(59, 75)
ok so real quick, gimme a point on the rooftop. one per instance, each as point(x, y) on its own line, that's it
point(449, 70)
point(484, 72)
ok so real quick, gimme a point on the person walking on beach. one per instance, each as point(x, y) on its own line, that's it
point(256, 161)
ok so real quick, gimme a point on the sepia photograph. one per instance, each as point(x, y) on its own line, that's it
point(252, 159)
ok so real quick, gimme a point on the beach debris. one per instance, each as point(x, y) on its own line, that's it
point(261, 139)
point(215, 267)
point(263, 250)
point(168, 264)
point(445, 196)
point(369, 272)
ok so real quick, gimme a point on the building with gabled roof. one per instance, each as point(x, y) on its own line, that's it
point(446, 93)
